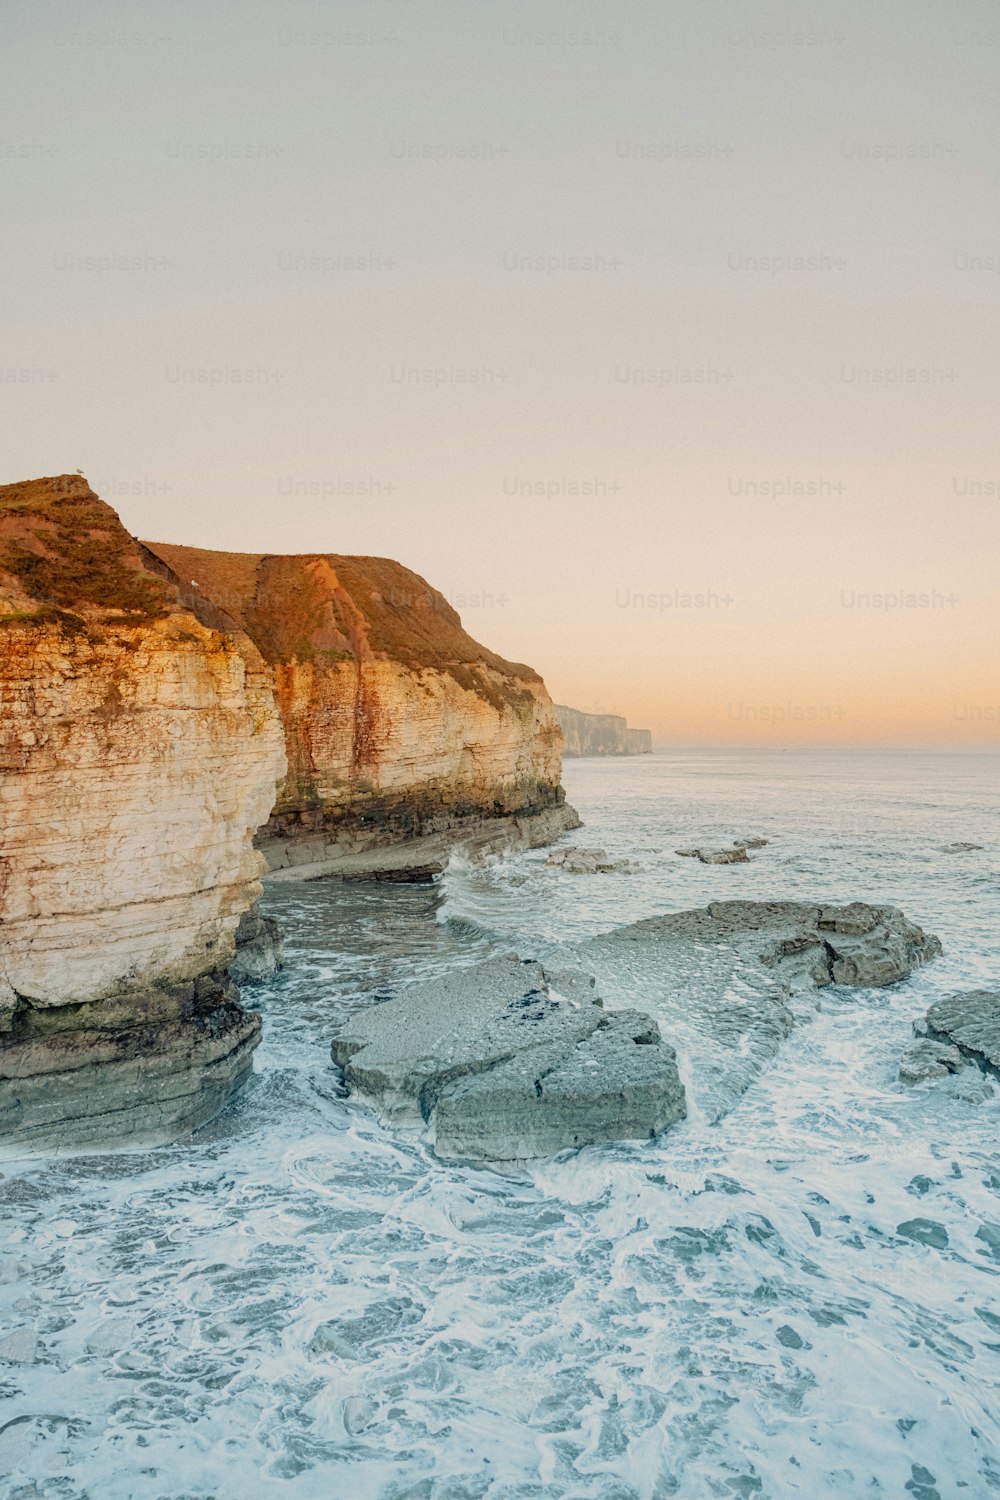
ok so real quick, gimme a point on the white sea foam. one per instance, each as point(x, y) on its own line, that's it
point(801, 1300)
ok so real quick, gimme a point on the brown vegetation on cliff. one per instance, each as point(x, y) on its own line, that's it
point(66, 549)
point(309, 605)
point(395, 718)
point(140, 749)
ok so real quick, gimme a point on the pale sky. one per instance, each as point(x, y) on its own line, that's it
point(663, 339)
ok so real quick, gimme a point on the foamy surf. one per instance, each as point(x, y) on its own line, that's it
point(799, 1300)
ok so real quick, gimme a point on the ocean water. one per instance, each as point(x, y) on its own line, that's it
point(801, 1300)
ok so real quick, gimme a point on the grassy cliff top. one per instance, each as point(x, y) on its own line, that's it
point(63, 548)
point(306, 604)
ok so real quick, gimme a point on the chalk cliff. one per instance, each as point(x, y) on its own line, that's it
point(140, 748)
point(397, 723)
point(600, 734)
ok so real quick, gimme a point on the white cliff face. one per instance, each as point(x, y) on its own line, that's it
point(136, 769)
point(397, 722)
point(382, 729)
point(600, 734)
point(140, 750)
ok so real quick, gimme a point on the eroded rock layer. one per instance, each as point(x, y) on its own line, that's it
point(397, 723)
point(140, 747)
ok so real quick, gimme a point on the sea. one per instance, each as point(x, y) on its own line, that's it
point(799, 1300)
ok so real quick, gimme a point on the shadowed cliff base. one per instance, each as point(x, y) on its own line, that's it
point(140, 748)
point(402, 732)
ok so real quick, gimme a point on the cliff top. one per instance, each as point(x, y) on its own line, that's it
point(312, 604)
point(64, 550)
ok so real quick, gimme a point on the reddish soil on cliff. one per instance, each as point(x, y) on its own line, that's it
point(326, 604)
point(62, 546)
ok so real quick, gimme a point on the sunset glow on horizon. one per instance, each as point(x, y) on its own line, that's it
point(685, 394)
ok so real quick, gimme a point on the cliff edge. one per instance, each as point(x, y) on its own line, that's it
point(398, 725)
point(140, 748)
point(600, 734)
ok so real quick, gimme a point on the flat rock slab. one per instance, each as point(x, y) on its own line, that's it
point(727, 983)
point(969, 1021)
point(356, 854)
point(260, 948)
point(507, 1061)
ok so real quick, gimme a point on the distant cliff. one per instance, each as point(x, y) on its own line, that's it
point(140, 748)
point(397, 723)
point(600, 734)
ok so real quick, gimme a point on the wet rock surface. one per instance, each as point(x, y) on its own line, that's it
point(969, 1021)
point(360, 854)
point(144, 1068)
point(737, 855)
point(925, 1059)
point(588, 862)
point(507, 1061)
point(727, 983)
point(260, 948)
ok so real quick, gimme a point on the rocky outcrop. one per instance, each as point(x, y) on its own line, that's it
point(507, 1061)
point(588, 862)
point(727, 983)
point(970, 1022)
point(600, 734)
point(260, 948)
point(399, 727)
point(139, 750)
point(735, 856)
point(924, 1059)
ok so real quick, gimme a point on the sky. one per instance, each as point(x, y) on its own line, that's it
point(664, 339)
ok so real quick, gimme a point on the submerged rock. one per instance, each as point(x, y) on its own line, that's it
point(737, 855)
point(924, 1059)
point(588, 862)
point(260, 948)
point(508, 1061)
point(924, 1232)
point(969, 1021)
point(959, 848)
